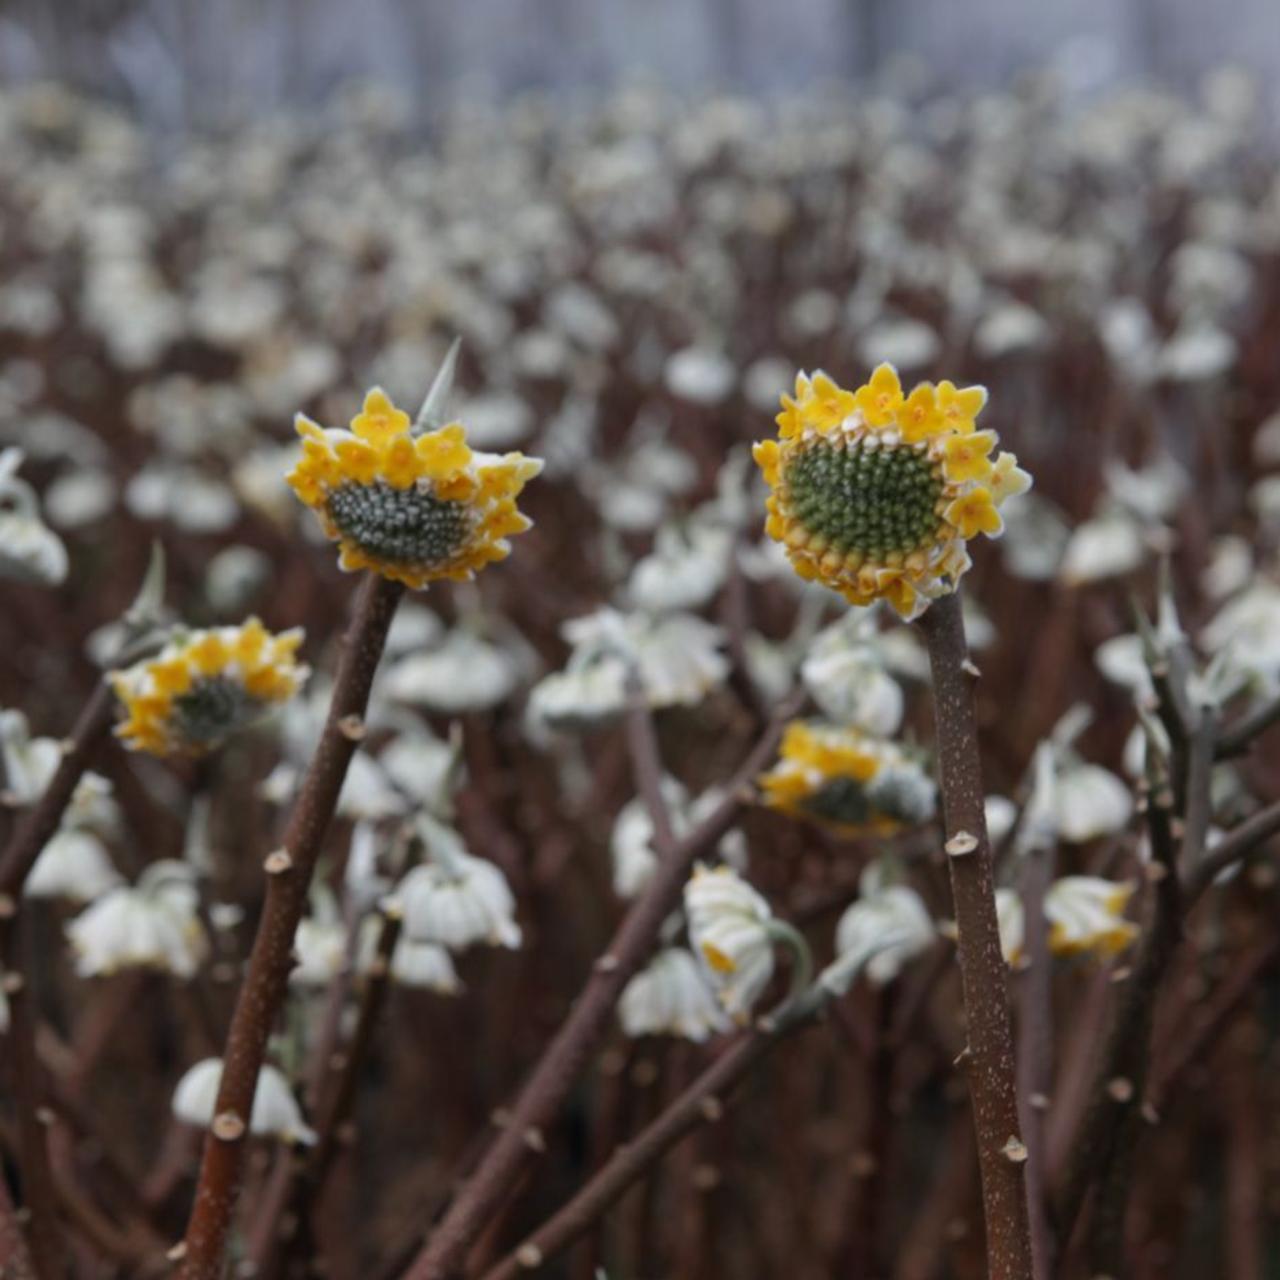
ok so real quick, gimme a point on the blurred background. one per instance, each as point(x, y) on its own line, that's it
point(641, 218)
point(182, 61)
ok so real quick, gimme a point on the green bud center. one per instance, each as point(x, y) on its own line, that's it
point(211, 709)
point(872, 501)
point(400, 526)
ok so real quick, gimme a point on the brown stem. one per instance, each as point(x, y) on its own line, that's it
point(1035, 1050)
point(1237, 844)
point(1238, 737)
point(266, 979)
point(553, 1076)
point(989, 1054)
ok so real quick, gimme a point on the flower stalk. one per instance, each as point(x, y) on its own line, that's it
point(989, 1055)
point(290, 870)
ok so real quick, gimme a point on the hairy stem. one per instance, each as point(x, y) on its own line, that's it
point(262, 993)
point(989, 1055)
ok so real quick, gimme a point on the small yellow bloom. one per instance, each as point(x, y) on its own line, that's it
point(966, 456)
point(920, 417)
point(205, 685)
point(878, 504)
point(880, 400)
point(960, 406)
point(412, 508)
point(379, 421)
point(1007, 479)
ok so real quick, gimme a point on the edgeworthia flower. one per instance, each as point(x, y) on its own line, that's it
point(275, 1113)
point(729, 927)
point(151, 925)
point(1085, 914)
point(205, 685)
point(413, 505)
point(671, 997)
point(29, 550)
point(847, 780)
point(878, 935)
point(876, 494)
point(454, 899)
point(28, 763)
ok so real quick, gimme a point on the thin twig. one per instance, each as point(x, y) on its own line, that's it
point(1238, 737)
point(1035, 1050)
point(1235, 845)
point(265, 983)
point(700, 1103)
point(1108, 1129)
point(552, 1077)
point(39, 823)
point(646, 766)
point(1188, 1043)
point(989, 1053)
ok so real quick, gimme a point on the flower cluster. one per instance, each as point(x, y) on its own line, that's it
point(1085, 915)
point(875, 494)
point(413, 507)
point(204, 685)
point(847, 780)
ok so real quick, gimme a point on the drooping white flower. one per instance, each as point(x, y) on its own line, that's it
point(879, 934)
point(320, 943)
point(29, 763)
point(685, 570)
point(1001, 814)
point(463, 672)
point(79, 498)
point(1122, 660)
point(1151, 493)
point(368, 793)
point(74, 865)
point(1089, 801)
point(846, 677)
point(413, 964)
point(671, 997)
point(676, 657)
point(1107, 546)
point(423, 767)
point(454, 899)
point(235, 576)
point(275, 1112)
point(1230, 567)
point(700, 375)
point(1086, 913)
point(1083, 913)
point(1245, 634)
point(729, 929)
point(29, 550)
point(424, 964)
point(152, 925)
point(631, 842)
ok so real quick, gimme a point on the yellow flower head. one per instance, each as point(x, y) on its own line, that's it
point(204, 685)
point(845, 779)
point(875, 493)
point(414, 508)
